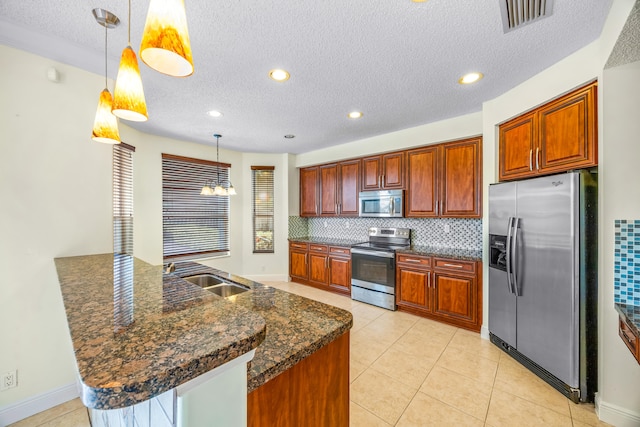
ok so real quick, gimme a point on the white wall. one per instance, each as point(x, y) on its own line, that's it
point(55, 187)
point(619, 199)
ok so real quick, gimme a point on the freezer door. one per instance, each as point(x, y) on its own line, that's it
point(502, 302)
point(547, 274)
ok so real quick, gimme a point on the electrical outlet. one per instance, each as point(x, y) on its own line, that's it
point(346, 225)
point(9, 380)
point(447, 228)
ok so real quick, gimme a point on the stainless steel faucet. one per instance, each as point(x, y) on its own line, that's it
point(171, 267)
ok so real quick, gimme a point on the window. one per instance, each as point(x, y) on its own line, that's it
point(123, 198)
point(262, 182)
point(193, 226)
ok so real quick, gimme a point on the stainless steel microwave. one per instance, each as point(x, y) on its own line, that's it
point(384, 203)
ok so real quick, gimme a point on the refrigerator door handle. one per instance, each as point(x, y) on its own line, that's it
point(514, 256)
point(508, 253)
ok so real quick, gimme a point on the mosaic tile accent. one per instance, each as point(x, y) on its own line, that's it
point(626, 262)
point(298, 227)
point(463, 233)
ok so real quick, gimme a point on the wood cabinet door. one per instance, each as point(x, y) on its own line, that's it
point(371, 173)
point(567, 132)
point(340, 274)
point(318, 268)
point(298, 264)
point(309, 191)
point(422, 182)
point(518, 147)
point(393, 171)
point(349, 187)
point(461, 192)
point(412, 288)
point(328, 190)
point(454, 297)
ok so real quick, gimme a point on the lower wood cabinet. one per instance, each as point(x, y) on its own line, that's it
point(315, 392)
point(321, 266)
point(443, 289)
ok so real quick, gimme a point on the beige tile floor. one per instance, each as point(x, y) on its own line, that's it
point(409, 371)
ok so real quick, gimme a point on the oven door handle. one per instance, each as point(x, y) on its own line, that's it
point(373, 253)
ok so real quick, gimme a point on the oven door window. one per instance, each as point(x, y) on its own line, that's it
point(374, 269)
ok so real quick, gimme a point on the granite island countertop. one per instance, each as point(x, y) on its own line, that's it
point(137, 332)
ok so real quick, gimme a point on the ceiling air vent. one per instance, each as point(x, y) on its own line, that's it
point(516, 13)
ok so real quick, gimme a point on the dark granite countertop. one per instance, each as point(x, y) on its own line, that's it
point(296, 326)
point(453, 253)
point(138, 332)
point(631, 314)
point(328, 241)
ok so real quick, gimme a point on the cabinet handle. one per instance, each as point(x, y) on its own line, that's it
point(380, 181)
point(531, 159)
point(453, 265)
point(305, 259)
point(537, 158)
point(441, 207)
point(428, 281)
point(437, 207)
point(411, 260)
point(316, 208)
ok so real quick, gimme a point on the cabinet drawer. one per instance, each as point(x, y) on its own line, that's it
point(318, 248)
point(415, 260)
point(336, 250)
point(455, 265)
point(298, 245)
point(629, 338)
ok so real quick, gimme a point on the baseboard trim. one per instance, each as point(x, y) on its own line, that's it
point(267, 277)
point(615, 415)
point(484, 332)
point(38, 403)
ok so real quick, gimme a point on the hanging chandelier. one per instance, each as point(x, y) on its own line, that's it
point(105, 124)
point(214, 187)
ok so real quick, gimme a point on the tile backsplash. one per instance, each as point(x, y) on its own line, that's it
point(462, 233)
point(626, 262)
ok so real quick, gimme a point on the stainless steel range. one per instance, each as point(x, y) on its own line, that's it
point(373, 266)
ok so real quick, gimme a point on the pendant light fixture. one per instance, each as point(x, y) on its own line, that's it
point(128, 96)
point(165, 43)
point(105, 124)
point(215, 188)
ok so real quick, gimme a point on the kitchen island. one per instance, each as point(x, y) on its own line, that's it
point(138, 333)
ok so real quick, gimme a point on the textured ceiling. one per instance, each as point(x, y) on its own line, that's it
point(395, 60)
point(627, 48)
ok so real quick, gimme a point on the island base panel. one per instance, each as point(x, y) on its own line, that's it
point(315, 392)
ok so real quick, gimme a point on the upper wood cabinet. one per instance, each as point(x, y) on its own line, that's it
point(445, 180)
point(348, 187)
point(338, 188)
point(309, 180)
point(558, 136)
point(383, 172)
point(461, 179)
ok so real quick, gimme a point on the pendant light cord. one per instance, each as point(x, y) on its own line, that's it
point(105, 57)
point(129, 35)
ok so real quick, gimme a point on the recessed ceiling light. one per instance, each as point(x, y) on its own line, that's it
point(289, 136)
point(355, 114)
point(214, 113)
point(470, 78)
point(279, 75)
point(419, 1)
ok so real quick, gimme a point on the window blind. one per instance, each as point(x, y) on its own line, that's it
point(193, 226)
point(262, 184)
point(123, 198)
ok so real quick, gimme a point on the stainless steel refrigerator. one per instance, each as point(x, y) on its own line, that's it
point(543, 277)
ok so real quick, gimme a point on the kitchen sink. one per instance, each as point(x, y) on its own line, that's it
point(213, 284)
point(203, 280)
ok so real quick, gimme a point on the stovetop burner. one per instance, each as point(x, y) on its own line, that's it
point(386, 239)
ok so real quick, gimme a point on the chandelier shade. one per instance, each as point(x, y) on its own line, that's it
point(128, 97)
point(105, 125)
point(165, 45)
